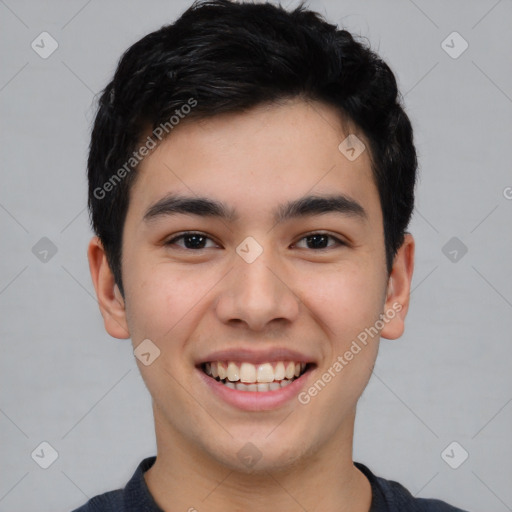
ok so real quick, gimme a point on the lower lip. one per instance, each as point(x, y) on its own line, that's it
point(256, 400)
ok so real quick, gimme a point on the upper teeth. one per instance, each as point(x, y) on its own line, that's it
point(250, 373)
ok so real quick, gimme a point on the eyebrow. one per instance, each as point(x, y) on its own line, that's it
point(173, 204)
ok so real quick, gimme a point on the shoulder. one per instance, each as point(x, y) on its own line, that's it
point(110, 501)
point(391, 496)
point(401, 497)
point(134, 497)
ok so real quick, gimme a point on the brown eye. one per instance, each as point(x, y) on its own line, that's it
point(195, 241)
point(320, 241)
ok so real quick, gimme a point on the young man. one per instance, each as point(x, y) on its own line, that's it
point(251, 179)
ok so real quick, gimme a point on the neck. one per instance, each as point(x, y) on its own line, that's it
point(184, 477)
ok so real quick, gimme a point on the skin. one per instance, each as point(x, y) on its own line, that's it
point(191, 302)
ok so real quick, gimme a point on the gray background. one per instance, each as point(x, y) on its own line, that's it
point(65, 381)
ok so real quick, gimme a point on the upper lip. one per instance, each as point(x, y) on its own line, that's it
point(253, 356)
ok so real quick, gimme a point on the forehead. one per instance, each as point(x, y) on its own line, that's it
point(254, 160)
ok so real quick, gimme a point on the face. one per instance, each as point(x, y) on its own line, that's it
point(271, 284)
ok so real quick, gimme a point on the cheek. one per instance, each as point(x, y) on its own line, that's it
point(167, 304)
point(163, 307)
point(159, 300)
point(348, 299)
point(349, 304)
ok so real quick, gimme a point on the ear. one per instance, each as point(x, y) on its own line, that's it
point(110, 300)
point(398, 290)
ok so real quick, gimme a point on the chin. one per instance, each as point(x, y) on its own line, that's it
point(259, 454)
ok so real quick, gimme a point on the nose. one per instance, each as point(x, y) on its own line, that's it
point(257, 294)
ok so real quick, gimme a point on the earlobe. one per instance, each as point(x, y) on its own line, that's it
point(398, 290)
point(110, 300)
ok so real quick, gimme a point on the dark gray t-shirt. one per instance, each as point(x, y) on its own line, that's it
point(387, 496)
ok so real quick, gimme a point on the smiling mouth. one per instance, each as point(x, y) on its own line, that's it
point(255, 378)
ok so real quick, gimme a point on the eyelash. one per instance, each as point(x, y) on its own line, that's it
point(186, 234)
